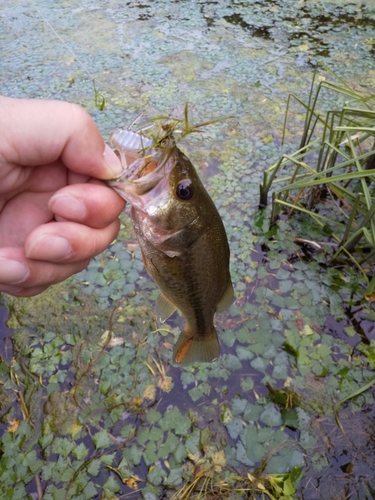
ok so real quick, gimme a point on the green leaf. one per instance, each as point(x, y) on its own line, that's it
point(110, 486)
point(153, 416)
point(89, 491)
point(127, 431)
point(192, 442)
point(29, 458)
point(94, 467)
point(244, 353)
point(200, 390)
point(175, 477)
point(101, 439)
point(133, 454)
point(155, 433)
point(47, 471)
point(156, 476)
point(180, 453)
point(228, 338)
point(290, 418)
point(173, 419)
point(234, 427)
point(288, 487)
point(108, 459)
point(143, 436)
point(150, 454)
point(271, 416)
point(62, 446)
point(170, 446)
point(296, 475)
point(238, 405)
point(80, 451)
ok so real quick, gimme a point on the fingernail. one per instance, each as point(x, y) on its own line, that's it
point(12, 272)
point(112, 160)
point(68, 206)
point(50, 247)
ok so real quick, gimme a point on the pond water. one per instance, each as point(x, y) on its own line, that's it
point(84, 415)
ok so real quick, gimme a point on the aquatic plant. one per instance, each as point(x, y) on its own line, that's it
point(164, 128)
point(331, 177)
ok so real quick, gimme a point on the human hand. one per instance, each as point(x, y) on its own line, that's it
point(55, 213)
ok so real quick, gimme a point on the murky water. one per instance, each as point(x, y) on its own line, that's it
point(81, 418)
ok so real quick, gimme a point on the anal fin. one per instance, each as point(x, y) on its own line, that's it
point(226, 300)
point(164, 308)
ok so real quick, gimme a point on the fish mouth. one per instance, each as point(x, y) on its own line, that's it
point(144, 183)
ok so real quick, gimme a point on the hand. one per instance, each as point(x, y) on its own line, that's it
point(55, 213)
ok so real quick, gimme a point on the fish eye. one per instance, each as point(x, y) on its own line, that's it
point(185, 190)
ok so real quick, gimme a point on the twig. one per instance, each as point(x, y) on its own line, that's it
point(39, 487)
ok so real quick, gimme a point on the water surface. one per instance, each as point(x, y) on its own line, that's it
point(85, 419)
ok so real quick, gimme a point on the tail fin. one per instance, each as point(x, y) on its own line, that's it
point(196, 348)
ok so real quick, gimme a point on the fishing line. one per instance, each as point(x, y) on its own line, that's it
point(88, 72)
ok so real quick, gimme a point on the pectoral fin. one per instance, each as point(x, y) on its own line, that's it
point(197, 348)
point(226, 300)
point(164, 308)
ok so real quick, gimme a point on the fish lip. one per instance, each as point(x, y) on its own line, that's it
point(149, 193)
point(128, 182)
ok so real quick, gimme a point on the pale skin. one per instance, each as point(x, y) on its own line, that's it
point(55, 211)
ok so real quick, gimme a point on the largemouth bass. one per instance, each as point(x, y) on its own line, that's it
point(182, 238)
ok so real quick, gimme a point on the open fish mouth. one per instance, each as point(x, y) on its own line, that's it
point(144, 182)
point(147, 167)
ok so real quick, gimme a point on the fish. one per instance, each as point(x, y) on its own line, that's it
point(182, 238)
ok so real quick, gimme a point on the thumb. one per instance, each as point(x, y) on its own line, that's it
point(39, 132)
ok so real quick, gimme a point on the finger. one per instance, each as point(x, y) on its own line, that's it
point(38, 132)
point(21, 215)
point(23, 292)
point(68, 241)
point(22, 277)
point(95, 205)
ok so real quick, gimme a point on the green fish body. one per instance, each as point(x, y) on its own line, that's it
point(184, 247)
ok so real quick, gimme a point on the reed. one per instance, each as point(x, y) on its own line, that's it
point(331, 176)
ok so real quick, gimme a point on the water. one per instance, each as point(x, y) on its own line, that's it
point(80, 420)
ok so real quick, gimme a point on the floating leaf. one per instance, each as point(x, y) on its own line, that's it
point(247, 384)
point(173, 419)
point(89, 491)
point(153, 416)
point(290, 418)
point(192, 442)
point(94, 467)
point(156, 475)
point(101, 439)
point(175, 477)
point(234, 427)
point(80, 452)
point(110, 487)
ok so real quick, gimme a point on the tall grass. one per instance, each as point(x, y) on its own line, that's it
point(331, 176)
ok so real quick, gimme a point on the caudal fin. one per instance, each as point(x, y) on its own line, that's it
point(196, 349)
